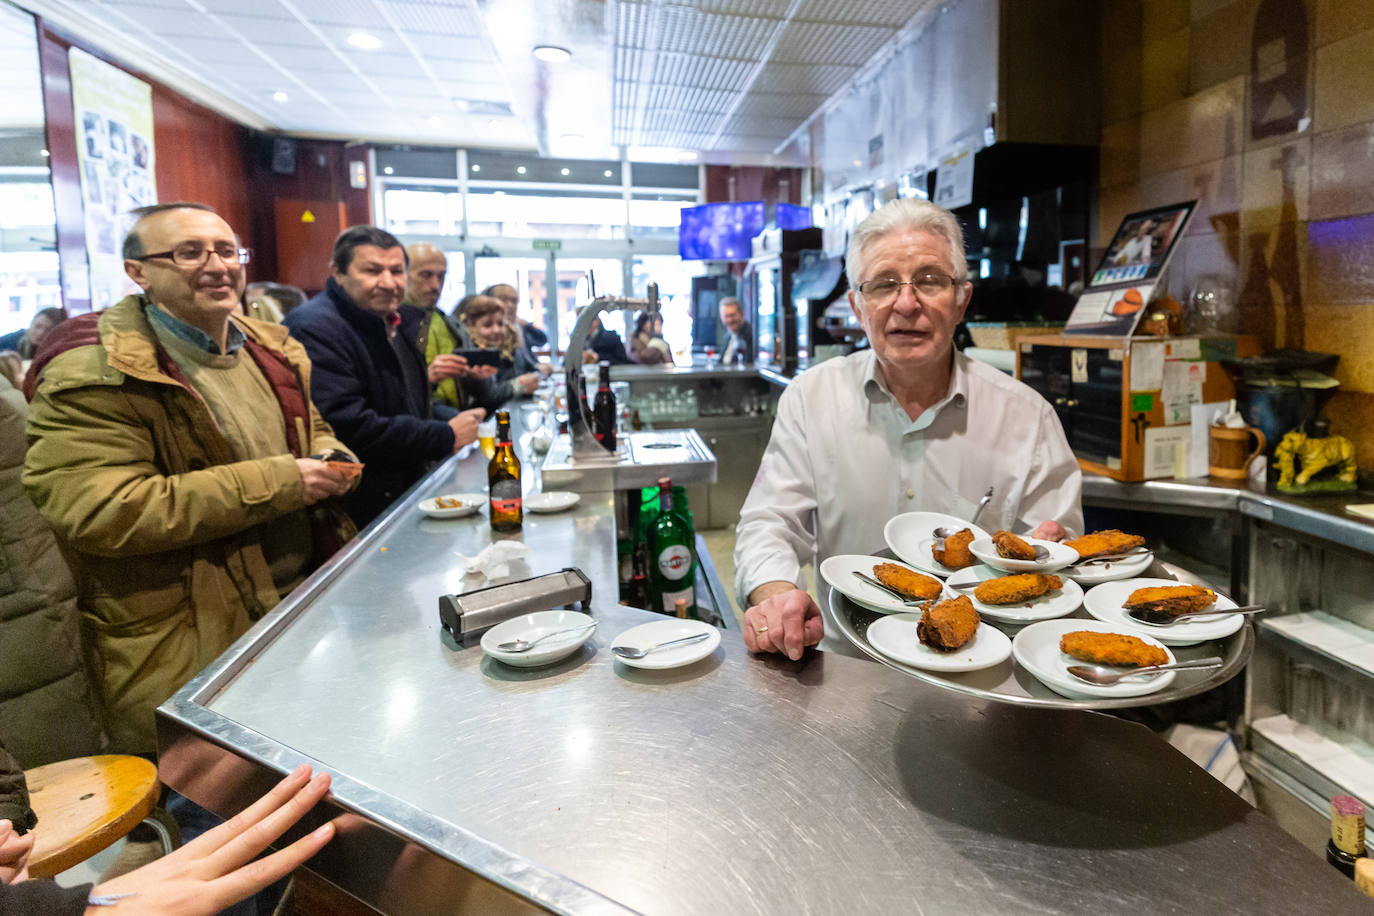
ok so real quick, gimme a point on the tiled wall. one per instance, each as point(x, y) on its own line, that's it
point(1285, 180)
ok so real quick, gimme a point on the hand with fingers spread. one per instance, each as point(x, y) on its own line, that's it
point(218, 868)
point(782, 618)
point(14, 853)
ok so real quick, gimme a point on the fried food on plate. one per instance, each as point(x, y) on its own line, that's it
point(1111, 649)
point(1013, 589)
point(909, 582)
point(1170, 599)
point(1104, 542)
point(1011, 547)
point(948, 625)
point(955, 553)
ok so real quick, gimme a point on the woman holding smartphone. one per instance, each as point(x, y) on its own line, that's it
point(484, 319)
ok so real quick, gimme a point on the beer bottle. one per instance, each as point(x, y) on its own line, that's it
point(672, 573)
point(603, 410)
point(503, 480)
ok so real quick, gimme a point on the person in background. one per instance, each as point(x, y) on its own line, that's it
point(739, 345)
point(604, 345)
point(170, 452)
point(206, 875)
point(454, 384)
point(647, 345)
point(370, 380)
point(25, 342)
point(485, 321)
point(48, 710)
point(531, 337)
point(909, 424)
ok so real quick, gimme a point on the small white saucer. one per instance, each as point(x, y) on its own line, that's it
point(533, 626)
point(471, 502)
point(651, 634)
point(555, 501)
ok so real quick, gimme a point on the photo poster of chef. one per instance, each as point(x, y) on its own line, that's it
point(114, 151)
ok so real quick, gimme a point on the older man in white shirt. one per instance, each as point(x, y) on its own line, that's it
point(908, 425)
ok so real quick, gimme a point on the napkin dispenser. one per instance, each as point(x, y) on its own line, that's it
point(471, 613)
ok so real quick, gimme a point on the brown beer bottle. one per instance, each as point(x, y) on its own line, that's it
point(503, 480)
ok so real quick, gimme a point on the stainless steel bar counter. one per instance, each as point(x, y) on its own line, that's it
point(735, 785)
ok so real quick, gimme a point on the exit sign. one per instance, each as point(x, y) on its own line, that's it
point(547, 244)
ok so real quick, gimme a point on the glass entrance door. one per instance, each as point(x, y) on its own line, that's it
point(529, 276)
point(575, 276)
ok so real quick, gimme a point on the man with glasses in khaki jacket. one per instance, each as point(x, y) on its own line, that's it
point(170, 443)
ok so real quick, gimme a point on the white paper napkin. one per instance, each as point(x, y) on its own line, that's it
point(495, 559)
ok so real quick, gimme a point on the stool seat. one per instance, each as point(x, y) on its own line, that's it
point(84, 805)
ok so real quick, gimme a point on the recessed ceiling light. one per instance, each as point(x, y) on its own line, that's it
point(44, 153)
point(607, 173)
point(551, 54)
point(389, 170)
point(498, 193)
point(687, 156)
point(280, 96)
point(365, 40)
point(563, 171)
point(476, 167)
point(434, 121)
point(519, 170)
point(495, 123)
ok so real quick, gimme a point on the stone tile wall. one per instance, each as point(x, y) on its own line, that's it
point(1264, 111)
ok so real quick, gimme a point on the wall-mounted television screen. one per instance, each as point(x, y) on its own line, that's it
point(719, 232)
point(790, 216)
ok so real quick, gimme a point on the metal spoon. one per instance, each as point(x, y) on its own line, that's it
point(1096, 674)
point(945, 531)
point(908, 601)
point(524, 645)
point(632, 652)
point(1165, 619)
point(1113, 557)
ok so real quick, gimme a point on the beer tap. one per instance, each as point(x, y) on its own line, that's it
point(584, 444)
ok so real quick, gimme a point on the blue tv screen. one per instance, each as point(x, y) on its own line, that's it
point(790, 216)
point(719, 232)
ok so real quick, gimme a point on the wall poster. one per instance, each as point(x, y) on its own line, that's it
point(114, 151)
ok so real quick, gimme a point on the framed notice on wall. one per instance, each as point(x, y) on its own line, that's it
point(114, 151)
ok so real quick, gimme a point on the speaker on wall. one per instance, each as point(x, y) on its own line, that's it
point(283, 155)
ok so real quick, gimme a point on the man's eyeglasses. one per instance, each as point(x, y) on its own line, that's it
point(929, 285)
point(199, 255)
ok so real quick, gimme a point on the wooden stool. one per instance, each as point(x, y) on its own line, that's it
point(84, 805)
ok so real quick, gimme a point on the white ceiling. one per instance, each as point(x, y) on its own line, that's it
point(733, 79)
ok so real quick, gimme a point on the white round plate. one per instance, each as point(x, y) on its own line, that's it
point(911, 534)
point(1104, 602)
point(1054, 604)
point(555, 501)
point(471, 502)
point(1036, 648)
point(895, 636)
point(839, 572)
point(651, 634)
point(1060, 556)
point(532, 626)
point(1111, 571)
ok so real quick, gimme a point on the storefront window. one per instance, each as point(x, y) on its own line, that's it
point(421, 211)
point(575, 282)
point(29, 272)
point(657, 215)
point(674, 278)
point(546, 214)
point(527, 275)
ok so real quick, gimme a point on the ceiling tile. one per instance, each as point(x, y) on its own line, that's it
point(829, 43)
point(436, 19)
point(449, 47)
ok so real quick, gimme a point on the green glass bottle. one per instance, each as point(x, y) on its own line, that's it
point(672, 566)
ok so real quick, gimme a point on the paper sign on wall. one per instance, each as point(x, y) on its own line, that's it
point(114, 152)
point(954, 180)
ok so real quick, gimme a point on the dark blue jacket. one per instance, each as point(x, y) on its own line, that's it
point(359, 387)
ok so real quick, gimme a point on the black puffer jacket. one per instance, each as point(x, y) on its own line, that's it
point(47, 708)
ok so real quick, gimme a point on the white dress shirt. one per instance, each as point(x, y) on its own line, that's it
point(844, 457)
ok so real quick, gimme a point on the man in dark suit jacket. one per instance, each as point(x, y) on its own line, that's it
point(739, 347)
point(370, 381)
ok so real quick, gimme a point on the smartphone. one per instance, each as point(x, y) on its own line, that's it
point(480, 357)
